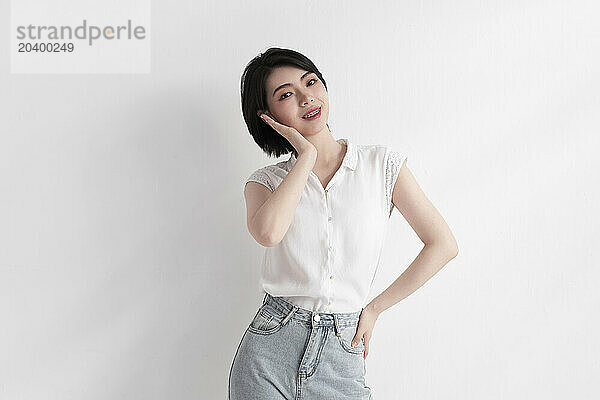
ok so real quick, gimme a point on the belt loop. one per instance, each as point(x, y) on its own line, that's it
point(294, 308)
point(335, 324)
point(265, 298)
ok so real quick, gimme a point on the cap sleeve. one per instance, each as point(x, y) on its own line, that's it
point(261, 176)
point(393, 162)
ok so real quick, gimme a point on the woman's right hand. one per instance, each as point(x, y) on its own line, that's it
point(291, 134)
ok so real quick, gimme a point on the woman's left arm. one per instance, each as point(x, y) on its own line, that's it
point(439, 248)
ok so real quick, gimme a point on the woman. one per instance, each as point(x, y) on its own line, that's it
point(322, 216)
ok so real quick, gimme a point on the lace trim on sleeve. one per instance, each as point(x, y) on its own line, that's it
point(392, 167)
point(261, 176)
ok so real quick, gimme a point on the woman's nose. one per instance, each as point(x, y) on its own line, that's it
point(306, 97)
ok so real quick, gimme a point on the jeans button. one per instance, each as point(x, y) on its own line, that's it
point(317, 318)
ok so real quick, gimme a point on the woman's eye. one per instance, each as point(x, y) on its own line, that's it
point(283, 96)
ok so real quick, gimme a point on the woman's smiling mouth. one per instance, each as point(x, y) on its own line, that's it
point(313, 115)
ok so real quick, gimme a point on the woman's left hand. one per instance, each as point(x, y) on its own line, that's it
point(366, 323)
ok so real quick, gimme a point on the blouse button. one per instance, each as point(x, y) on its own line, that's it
point(329, 219)
point(330, 276)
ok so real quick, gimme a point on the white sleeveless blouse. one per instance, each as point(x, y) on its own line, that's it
point(328, 258)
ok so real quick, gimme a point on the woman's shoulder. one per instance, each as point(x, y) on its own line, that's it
point(272, 168)
point(269, 175)
point(382, 156)
point(375, 151)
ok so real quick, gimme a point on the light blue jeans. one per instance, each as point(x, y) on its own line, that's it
point(291, 353)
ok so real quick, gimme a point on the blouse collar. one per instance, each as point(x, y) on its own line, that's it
point(349, 160)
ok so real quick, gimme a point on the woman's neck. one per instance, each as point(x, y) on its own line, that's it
point(330, 152)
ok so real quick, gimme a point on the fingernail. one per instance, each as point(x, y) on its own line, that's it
point(263, 117)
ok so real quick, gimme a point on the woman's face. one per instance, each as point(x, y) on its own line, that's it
point(291, 93)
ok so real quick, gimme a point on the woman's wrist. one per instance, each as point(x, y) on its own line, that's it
point(373, 307)
point(310, 154)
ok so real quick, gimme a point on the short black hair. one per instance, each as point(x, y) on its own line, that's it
point(254, 96)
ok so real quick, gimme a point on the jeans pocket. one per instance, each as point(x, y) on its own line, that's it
point(345, 336)
point(266, 321)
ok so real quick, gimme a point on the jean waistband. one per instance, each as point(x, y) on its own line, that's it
point(312, 317)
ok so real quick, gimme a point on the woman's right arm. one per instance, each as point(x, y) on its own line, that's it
point(269, 214)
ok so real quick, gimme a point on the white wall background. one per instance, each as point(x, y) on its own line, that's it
point(127, 272)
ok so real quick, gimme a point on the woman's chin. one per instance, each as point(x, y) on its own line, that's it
point(310, 131)
point(313, 128)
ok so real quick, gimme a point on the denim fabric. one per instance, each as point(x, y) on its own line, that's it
point(292, 353)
